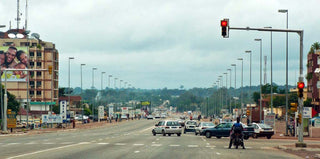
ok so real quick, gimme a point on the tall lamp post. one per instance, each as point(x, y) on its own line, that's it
point(109, 81)
point(221, 91)
point(241, 59)
point(93, 103)
point(287, 99)
point(218, 85)
point(230, 91)
point(102, 81)
point(226, 73)
point(82, 112)
point(235, 82)
point(70, 58)
point(250, 52)
point(271, 89)
point(260, 40)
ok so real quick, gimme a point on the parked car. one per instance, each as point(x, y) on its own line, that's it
point(167, 127)
point(223, 130)
point(190, 126)
point(150, 117)
point(202, 126)
point(157, 116)
point(262, 130)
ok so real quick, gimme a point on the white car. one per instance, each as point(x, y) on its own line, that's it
point(150, 117)
point(261, 130)
point(190, 126)
point(202, 126)
point(167, 127)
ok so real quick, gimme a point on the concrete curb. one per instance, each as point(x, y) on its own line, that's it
point(298, 149)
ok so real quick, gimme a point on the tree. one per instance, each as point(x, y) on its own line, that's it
point(56, 109)
point(87, 111)
point(307, 103)
point(256, 97)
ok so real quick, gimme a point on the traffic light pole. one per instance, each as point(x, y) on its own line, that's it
point(300, 99)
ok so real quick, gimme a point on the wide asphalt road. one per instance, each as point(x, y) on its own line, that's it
point(132, 139)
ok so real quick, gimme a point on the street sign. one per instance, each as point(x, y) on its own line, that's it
point(270, 120)
point(101, 112)
point(307, 112)
point(11, 119)
point(51, 118)
point(63, 109)
point(110, 111)
point(124, 110)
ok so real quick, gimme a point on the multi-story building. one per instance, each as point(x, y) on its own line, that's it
point(43, 87)
point(313, 79)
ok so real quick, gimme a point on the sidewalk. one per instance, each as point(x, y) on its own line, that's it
point(79, 125)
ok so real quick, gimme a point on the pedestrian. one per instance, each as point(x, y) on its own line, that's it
point(73, 123)
point(199, 117)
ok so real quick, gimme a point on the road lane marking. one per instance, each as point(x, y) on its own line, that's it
point(210, 146)
point(103, 143)
point(120, 144)
point(30, 143)
point(46, 150)
point(218, 153)
point(157, 145)
point(136, 151)
point(138, 144)
point(146, 129)
point(174, 145)
point(193, 145)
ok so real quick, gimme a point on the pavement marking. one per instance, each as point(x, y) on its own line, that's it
point(218, 153)
point(174, 145)
point(103, 143)
point(153, 142)
point(146, 129)
point(136, 151)
point(30, 143)
point(138, 144)
point(120, 144)
point(157, 145)
point(158, 139)
point(46, 150)
point(193, 145)
point(210, 146)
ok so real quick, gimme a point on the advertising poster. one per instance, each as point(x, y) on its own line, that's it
point(14, 58)
point(111, 111)
point(63, 109)
point(125, 110)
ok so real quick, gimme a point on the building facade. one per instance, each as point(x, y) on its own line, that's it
point(40, 88)
point(313, 78)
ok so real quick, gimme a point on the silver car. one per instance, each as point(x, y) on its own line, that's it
point(167, 127)
point(202, 126)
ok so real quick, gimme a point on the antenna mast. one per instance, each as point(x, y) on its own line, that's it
point(26, 19)
point(18, 14)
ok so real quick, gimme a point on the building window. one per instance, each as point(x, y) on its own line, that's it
point(31, 92)
point(38, 54)
point(31, 84)
point(38, 73)
point(31, 54)
point(31, 74)
point(38, 92)
point(31, 64)
point(38, 84)
point(38, 64)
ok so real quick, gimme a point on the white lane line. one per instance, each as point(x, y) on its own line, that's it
point(147, 129)
point(157, 139)
point(210, 146)
point(218, 153)
point(157, 145)
point(36, 152)
point(138, 144)
point(30, 143)
point(153, 142)
point(208, 143)
point(174, 145)
point(193, 145)
point(136, 151)
point(65, 143)
point(120, 144)
point(103, 143)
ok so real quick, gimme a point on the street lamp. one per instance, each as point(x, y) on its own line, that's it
point(235, 82)
point(109, 80)
point(221, 93)
point(287, 99)
point(70, 58)
point(218, 85)
point(81, 65)
point(250, 52)
point(230, 90)
point(226, 88)
point(241, 59)
point(260, 77)
point(102, 81)
point(93, 103)
point(271, 90)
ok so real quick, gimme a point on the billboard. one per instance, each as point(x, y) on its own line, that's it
point(51, 118)
point(110, 111)
point(14, 58)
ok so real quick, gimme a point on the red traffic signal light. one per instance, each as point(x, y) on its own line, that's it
point(224, 23)
point(300, 85)
point(225, 28)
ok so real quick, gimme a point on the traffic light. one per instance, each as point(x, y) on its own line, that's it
point(294, 107)
point(248, 112)
point(299, 118)
point(300, 87)
point(50, 70)
point(225, 28)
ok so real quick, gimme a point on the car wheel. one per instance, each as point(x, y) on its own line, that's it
point(154, 133)
point(179, 134)
point(246, 137)
point(169, 134)
point(255, 136)
point(196, 133)
point(184, 131)
point(218, 137)
point(208, 134)
point(164, 134)
point(269, 137)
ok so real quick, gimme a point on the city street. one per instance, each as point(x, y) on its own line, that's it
point(133, 139)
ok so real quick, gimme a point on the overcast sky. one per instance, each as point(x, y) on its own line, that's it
point(167, 43)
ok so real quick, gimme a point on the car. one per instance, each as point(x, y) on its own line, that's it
point(190, 126)
point(163, 115)
point(201, 126)
point(157, 116)
point(262, 130)
point(223, 130)
point(167, 127)
point(150, 117)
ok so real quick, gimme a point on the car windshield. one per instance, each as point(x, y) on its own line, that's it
point(192, 123)
point(207, 124)
point(263, 126)
point(173, 123)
